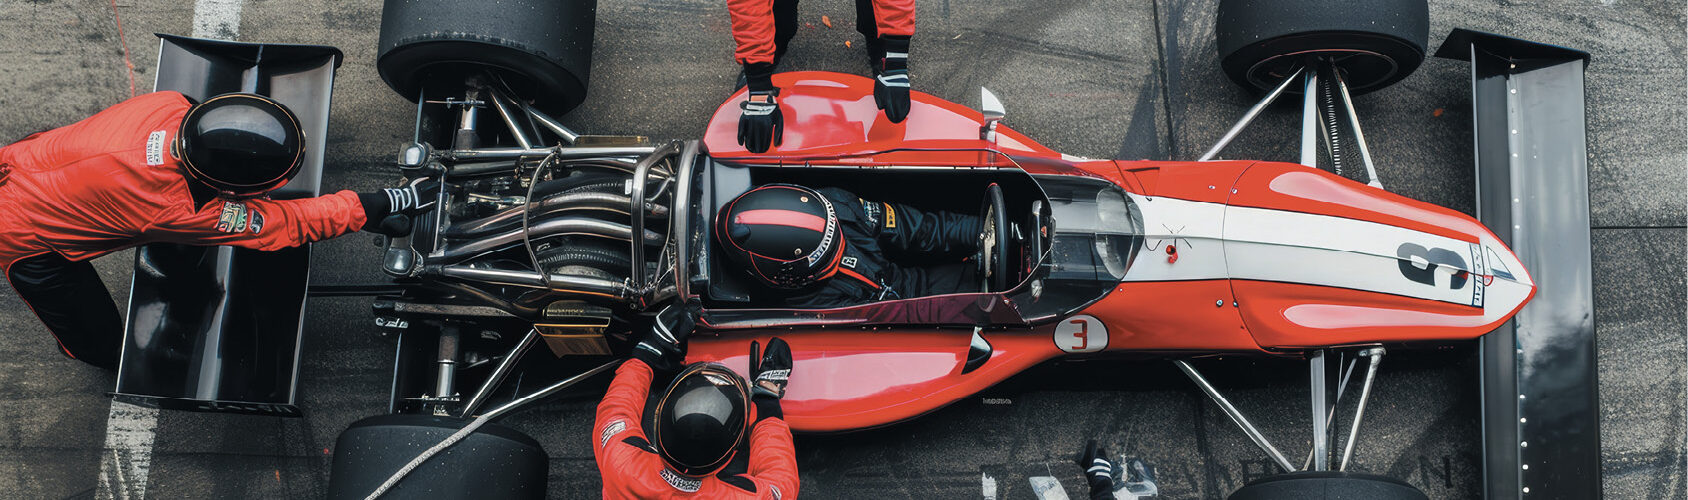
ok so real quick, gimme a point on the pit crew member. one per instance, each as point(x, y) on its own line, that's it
point(699, 424)
point(763, 29)
point(156, 168)
point(828, 248)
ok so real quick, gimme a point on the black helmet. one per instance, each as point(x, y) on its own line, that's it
point(786, 235)
point(701, 419)
point(242, 145)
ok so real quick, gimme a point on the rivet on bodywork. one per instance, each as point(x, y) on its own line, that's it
point(1219, 303)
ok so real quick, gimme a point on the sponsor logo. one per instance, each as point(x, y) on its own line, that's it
point(890, 217)
point(234, 218)
point(155, 148)
point(255, 221)
point(826, 239)
point(849, 262)
point(1480, 268)
point(1082, 333)
point(871, 209)
point(610, 431)
point(681, 483)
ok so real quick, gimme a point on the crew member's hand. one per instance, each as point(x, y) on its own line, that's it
point(414, 198)
point(664, 346)
point(891, 84)
point(1098, 470)
point(389, 211)
point(761, 124)
point(770, 370)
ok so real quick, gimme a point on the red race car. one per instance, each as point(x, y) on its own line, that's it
point(576, 244)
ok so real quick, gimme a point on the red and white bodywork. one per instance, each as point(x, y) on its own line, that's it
point(1233, 257)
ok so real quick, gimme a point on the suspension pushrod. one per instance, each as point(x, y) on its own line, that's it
point(548, 391)
point(1236, 416)
point(1359, 136)
point(500, 372)
point(556, 127)
point(1249, 117)
point(563, 153)
point(508, 115)
point(1376, 355)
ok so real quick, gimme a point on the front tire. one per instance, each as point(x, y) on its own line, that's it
point(541, 48)
point(493, 462)
point(1376, 42)
point(1327, 485)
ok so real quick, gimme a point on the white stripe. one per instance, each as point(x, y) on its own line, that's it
point(891, 55)
point(218, 19)
point(126, 460)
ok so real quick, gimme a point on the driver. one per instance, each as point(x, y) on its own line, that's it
point(829, 248)
point(157, 168)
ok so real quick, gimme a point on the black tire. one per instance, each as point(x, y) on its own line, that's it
point(1327, 485)
point(541, 48)
point(494, 462)
point(1378, 42)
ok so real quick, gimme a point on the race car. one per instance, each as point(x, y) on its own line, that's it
point(540, 234)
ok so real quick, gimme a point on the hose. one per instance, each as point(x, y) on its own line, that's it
point(427, 454)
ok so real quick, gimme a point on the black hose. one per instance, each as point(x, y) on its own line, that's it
point(578, 252)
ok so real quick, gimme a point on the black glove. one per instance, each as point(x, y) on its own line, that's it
point(890, 83)
point(388, 211)
point(1098, 471)
point(664, 347)
point(761, 124)
point(769, 372)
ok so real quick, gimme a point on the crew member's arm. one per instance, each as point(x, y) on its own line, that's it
point(773, 457)
point(624, 454)
point(261, 224)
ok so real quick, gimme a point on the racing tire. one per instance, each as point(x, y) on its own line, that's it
point(1327, 485)
point(1377, 42)
point(493, 462)
point(541, 48)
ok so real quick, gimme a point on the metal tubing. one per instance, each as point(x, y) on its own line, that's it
point(548, 391)
point(1376, 354)
point(555, 126)
point(636, 207)
point(500, 372)
point(1249, 117)
point(1236, 416)
point(563, 153)
point(565, 225)
point(560, 283)
point(445, 383)
point(559, 203)
point(502, 106)
point(1321, 437)
point(1359, 137)
point(1310, 120)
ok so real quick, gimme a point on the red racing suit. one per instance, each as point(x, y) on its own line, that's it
point(759, 34)
point(111, 182)
point(631, 468)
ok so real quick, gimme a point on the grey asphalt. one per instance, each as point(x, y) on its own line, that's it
point(1117, 79)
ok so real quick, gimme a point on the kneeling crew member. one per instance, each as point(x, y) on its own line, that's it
point(827, 248)
point(700, 422)
point(156, 168)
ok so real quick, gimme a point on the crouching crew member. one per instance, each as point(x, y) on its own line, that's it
point(156, 168)
point(699, 424)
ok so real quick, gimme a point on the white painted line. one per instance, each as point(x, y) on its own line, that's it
point(127, 458)
point(989, 485)
point(218, 19)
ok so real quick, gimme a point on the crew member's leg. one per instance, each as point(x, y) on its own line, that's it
point(785, 26)
point(74, 304)
point(869, 28)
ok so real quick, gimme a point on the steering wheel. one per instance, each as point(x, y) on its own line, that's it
point(993, 241)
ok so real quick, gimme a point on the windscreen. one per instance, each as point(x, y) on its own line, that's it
point(1097, 233)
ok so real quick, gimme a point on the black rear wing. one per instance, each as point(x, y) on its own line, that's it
point(1540, 393)
point(218, 328)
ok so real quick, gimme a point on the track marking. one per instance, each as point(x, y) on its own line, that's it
point(126, 459)
point(218, 19)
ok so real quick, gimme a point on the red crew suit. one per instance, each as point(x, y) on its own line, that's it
point(763, 28)
point(631, 468)
point(111, 182)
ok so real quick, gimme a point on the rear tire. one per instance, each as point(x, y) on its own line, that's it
point(1327, 485)
point(1378, 42)
point(493, 462)
point(541, 48)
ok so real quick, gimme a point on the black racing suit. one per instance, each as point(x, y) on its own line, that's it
point(931, 251)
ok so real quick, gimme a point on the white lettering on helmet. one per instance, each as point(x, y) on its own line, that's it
point(681, 483)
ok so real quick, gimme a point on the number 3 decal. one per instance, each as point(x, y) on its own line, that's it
point(1411, 254)
point(1082, 333)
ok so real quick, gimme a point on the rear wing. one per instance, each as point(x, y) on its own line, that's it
point(218, 328)
point(1540, 400)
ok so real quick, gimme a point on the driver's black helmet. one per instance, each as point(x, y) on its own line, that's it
point(701, 419)
point(787, 236)
point(242, 145)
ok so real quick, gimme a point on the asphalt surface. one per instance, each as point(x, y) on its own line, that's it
point(1121, 79)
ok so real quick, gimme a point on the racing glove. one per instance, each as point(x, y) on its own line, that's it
point(760, 121)
point(1098, 471)
point(890, 85)
point(664, 347)
point(388, 211)
point(769, 372)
